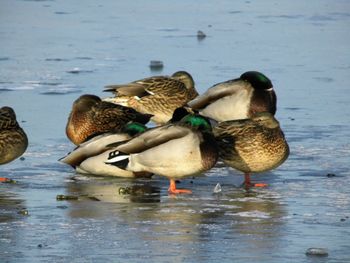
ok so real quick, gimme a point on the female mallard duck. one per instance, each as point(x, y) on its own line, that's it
point(13, 140)
point(252, 145)
point(158, 95)
point(175, 150)
point(237, 99)
point(91, 116)
point(89, 157)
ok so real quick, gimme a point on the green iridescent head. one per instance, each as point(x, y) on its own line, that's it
point(134, 128)
point(197, 121)
point(257, 80)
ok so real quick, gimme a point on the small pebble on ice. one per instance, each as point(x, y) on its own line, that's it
point(66, 197)
point(156, 64)
point(23, 212)
point(201, 35)
point(217, 188)
point(318, 252)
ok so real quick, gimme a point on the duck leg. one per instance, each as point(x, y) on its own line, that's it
point(247, 182)
point(173, 190)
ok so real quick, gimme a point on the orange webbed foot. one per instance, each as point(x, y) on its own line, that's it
point(179, 191)
point(173, 190)
point(6, 180)
point(248, 184)
point(252, 185)
point(260, 185)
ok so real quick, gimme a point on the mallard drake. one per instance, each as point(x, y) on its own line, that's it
point(236, 99)
point(158, 95)
point(252, 145)
point(90, 116)
point(13, 139)
point(88, 157)
point(174, 150)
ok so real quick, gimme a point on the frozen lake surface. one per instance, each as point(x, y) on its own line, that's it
point(51, 52)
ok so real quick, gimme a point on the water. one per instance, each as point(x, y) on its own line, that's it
point(54, 51)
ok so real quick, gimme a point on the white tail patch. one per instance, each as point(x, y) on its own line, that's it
point(108, 99)
point(115, 157)
point(117, 100)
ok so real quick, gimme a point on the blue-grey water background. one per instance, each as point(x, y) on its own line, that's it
point(51, 52)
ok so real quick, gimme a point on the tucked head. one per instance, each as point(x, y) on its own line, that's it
point(181, 112)
point(184, 77)
point(197, 122)
point(266, 119)
point(257, 80)
point(8, 112)
point(85, 102)
point(134, 128)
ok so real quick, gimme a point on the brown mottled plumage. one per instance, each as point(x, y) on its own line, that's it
point(158, 95)
point(252, 145)
point(237, 99)
point(13, 140)
point(91, 116)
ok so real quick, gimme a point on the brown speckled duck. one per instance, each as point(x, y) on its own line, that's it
point(252, 145)
point(13, 140)
point(158, 95)
point(237, 99)
point(90, 116)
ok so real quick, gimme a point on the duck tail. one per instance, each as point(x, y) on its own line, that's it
point(119, 159)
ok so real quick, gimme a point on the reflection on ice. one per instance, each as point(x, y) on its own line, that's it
point(254, 214)
point(10, 205)
point(61, 90)
point(52, 47)
point(116, 190)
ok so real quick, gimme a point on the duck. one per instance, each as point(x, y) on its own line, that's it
point(90, 116)
point(13, 139)
point(174, 150)
point(157, 95)
point(238, 98)
point(89, 156)
point(252, 145)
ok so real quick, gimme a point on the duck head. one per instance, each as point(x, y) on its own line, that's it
point(134, 128)
point(184, 77)
point(266, 119)
point(8, 112)
point(258, 80)
point(85, 102)
point(197, 122)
